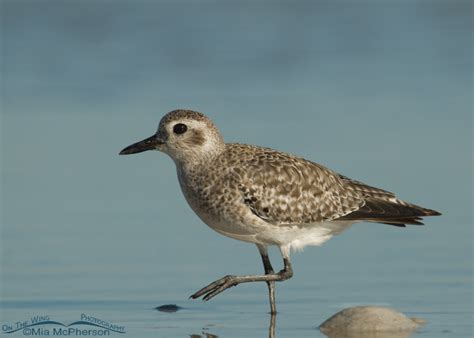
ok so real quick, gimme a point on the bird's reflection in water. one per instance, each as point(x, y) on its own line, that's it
point(271, 330)
point(206, 335)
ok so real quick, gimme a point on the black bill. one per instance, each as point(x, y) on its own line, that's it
point(149, 143)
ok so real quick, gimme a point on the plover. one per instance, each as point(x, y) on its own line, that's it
point(266, 197)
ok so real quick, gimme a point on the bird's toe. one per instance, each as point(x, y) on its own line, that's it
point(215, 288)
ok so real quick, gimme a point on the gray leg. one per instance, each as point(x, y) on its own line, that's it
point(268, 271)
point(229, 281)
point(271, 329)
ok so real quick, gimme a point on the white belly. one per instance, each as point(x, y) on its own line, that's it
point(294, 237)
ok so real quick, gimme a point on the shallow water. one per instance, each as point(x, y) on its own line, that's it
point(379, 92)
point(124, 285)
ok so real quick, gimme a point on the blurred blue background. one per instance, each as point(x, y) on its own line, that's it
point(380, 91)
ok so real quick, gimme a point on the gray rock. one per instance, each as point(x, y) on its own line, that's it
point(371, 321)
point(168, 308)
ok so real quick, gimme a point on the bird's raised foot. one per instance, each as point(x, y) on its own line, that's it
point(216, 287)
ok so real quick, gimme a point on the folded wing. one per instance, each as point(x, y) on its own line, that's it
point(285, 190)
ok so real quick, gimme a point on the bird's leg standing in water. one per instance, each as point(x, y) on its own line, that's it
point(229, 281)
point(268, 271)
point(271, 329)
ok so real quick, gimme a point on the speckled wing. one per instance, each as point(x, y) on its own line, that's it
point(285, 190)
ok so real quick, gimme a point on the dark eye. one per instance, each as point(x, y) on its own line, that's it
point(179, 128)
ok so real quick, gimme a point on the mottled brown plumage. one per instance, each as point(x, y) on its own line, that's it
point(264, 196)
point(246, 192)
point(286, 190)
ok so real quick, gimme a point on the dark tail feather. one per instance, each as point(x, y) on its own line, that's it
point(399, 222)
point(395, 213)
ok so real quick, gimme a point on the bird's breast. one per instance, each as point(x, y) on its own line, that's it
point(218, 204)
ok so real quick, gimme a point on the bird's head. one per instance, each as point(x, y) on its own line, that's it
point(184, 135)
